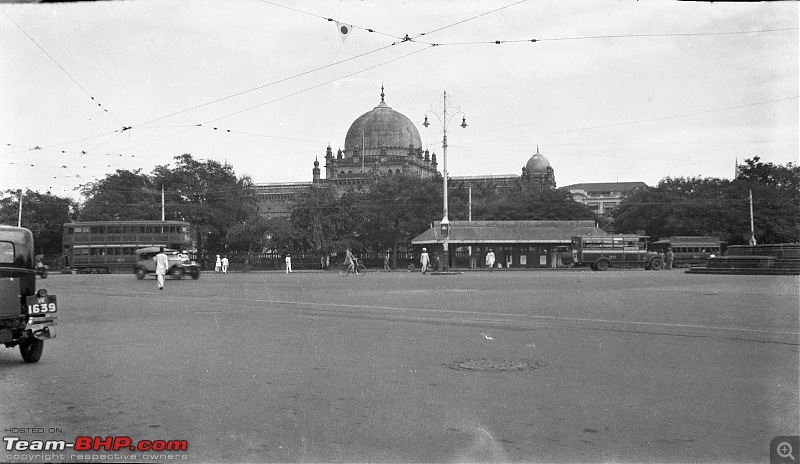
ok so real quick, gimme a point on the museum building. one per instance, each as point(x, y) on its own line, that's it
point(382, 143)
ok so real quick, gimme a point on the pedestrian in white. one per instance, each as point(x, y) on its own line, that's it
point(161, 267)
point(490, 259)
point(224, 264)
point(218, 265)
point(424, 260)
point(288, 263)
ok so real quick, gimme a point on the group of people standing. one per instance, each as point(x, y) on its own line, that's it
point(221, 265)
point(425, 260)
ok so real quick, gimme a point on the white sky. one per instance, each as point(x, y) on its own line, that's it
point(687, 102)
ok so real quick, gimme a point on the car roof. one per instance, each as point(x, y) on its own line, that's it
point(145, 250)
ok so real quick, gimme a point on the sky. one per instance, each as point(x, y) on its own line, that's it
point(610, 91)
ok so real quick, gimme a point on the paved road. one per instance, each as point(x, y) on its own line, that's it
point(398, 367)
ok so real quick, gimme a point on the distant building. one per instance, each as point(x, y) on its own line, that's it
point(602, 197)
point(384, 143)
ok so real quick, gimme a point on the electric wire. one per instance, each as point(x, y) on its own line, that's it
point(75, 81)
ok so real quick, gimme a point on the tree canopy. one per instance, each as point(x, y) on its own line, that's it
point(710, 206)
point(206, 194)
point(43, 213)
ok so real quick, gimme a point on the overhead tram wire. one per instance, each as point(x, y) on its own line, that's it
point(320, 68)
point(203, 124)
point(321, 84)
point(639, 121)
point(238, 94)
point(618, 36)
point(330, 19)
point(404, 39)
point(465, 20)
point(100, 105)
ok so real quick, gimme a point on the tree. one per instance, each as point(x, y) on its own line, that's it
point(323, 223)
point(776, 199)
point(530, 202)
point(121, 196)
point(710, 206)
point(43, 213)
point(248, 236)
point(206, 194)
point(396, 209)
point(677, 206)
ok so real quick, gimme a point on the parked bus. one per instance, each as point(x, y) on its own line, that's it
point(620, 251)
point(690, 250)
point(110, 246)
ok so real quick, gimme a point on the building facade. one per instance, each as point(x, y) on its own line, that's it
point(383, 143)
point(602, 197)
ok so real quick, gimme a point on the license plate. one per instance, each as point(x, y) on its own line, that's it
point(41, 305)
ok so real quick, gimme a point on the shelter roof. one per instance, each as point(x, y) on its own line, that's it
point(471, 232)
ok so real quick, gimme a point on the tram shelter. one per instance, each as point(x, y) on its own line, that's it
point(516, 244)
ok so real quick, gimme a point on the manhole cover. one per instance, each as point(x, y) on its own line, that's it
point(488, 364)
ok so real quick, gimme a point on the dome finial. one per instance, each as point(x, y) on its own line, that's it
point(537, 150)
point(382, 94)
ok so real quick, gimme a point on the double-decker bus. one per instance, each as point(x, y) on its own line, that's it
point(690, 250)
point(110, 246)
point(620, 251)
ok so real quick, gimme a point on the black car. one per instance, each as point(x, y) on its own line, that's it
point(179, 264)
point(27, 315)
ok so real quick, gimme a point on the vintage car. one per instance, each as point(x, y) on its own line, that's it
point(27, 315)
point(179, 263)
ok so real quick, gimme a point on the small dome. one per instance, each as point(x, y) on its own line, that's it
point(382, 127)
point(537, 163)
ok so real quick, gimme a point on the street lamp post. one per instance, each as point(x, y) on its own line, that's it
point(445, 221)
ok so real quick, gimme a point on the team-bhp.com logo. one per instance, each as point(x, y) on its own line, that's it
point(95, 444)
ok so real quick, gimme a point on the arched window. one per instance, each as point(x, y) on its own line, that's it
point(397, 172)
point(390, 172)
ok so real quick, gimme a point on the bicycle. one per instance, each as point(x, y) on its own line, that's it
point(357, 268)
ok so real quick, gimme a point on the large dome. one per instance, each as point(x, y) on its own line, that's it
point(537, 163)
point(382, 127)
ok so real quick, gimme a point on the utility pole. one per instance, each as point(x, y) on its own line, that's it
point(752, 229)
point(445, 225)
point(162, 202)
point(19, 198)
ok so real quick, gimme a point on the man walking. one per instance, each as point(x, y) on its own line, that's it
point(670, 257)
point(490, 259)
point(288, 263)
point(161, 267)
point(424, 260)
point(225, 263)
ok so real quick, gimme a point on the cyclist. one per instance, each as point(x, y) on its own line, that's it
point(350, 260)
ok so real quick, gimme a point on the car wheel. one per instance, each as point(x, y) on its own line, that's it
point(31, 350)
point(656, 264)
point(140, 273)
point(601, 265)
point(195, 273)
point(176, 273)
